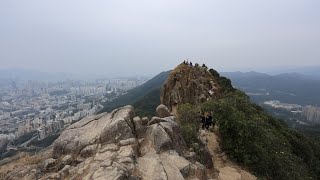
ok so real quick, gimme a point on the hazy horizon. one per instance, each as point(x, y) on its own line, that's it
point(147, 37)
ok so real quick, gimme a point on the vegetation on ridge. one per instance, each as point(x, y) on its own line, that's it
point(252, 137)
point(260, 142)
point(188, 119)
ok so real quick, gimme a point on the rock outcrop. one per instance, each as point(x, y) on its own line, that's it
point(188, 84)
point(119, 146)
point(163, 111)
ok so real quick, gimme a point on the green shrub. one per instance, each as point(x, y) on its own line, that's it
point(263, 144)
point(224, 83)
point(189, 123)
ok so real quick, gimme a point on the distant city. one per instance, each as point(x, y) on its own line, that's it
point(41, 109)
point(310, 114)
point(293, 97)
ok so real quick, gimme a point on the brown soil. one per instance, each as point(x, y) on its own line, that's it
point(224, 169)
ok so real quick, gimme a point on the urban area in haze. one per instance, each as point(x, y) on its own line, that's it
point(36, 109)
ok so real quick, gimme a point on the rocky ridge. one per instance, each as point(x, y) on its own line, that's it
point(118, 145)
point(188, 84)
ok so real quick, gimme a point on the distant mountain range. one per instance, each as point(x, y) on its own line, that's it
point(34, 75)
point(310, 71)
point(288, 87)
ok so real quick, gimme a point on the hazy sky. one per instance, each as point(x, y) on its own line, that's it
point(146, 37)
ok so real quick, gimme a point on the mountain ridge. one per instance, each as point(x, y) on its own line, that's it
point(120, 145)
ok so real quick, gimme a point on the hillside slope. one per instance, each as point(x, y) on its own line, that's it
point(249, 136)
point(146, 105)
point(137, 93)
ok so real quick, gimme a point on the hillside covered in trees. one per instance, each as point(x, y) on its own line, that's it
point(252, 137)
point(143, 93)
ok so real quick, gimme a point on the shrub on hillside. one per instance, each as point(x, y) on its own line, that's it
point(258, 141)
point(223, 82)
point(188, 119)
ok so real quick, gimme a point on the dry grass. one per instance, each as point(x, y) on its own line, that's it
point(26, 159)
point(20, 160)
point(9, 167)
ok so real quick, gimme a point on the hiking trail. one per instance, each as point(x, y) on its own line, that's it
point(223, 169)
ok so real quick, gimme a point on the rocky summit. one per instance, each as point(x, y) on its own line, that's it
point(188, 84)
point(117, 145)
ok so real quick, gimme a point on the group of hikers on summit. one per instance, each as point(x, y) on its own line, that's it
point(186, 62)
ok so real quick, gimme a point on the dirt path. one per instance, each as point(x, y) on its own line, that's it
point(224, 169)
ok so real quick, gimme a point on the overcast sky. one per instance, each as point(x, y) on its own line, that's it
point(146, 37)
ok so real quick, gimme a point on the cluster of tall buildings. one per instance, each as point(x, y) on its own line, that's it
point(89, 90)
point(44, 128)
point(309, 114)
point(81, 114)
point(45, 108)
point(50, 128)
point(312, 114)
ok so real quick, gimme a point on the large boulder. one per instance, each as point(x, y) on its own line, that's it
point(140, 126)
point(104, 128)
point(163, 111)
point(150, 166)
point(163, 134)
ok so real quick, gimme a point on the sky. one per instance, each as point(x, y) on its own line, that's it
point(144, 37)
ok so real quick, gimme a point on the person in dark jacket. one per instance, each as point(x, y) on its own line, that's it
point(206, 120)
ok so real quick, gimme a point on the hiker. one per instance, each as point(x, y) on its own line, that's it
point(206, 120)
point(191, 64)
